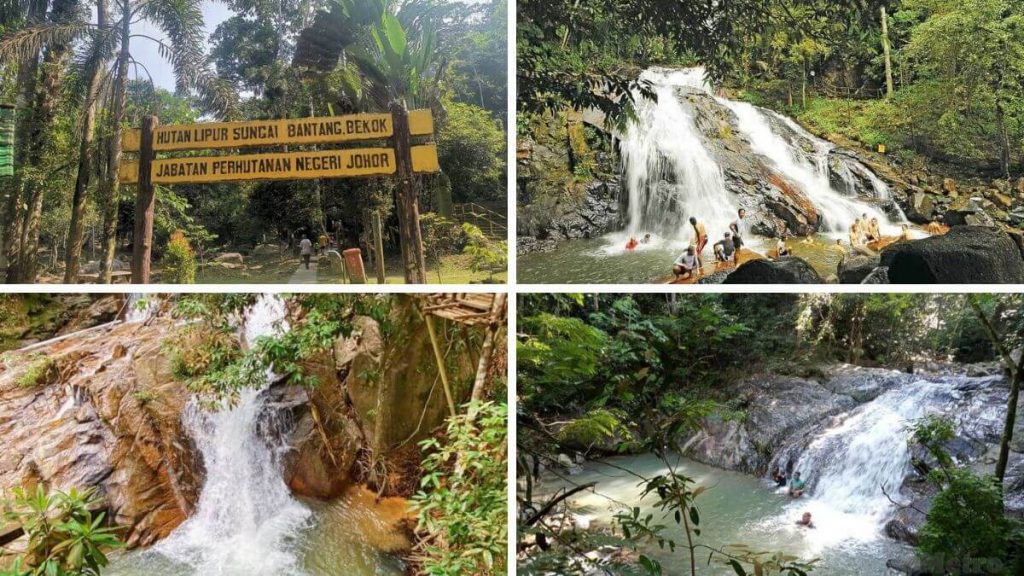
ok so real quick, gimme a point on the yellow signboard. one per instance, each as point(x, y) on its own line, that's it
point(281, 166)
point(277, 132)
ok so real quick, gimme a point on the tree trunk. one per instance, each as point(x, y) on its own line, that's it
point(885, 51)
point(76, 230)
point(1011, 419)
point(484, 366)
point(14, 206)
point(1004, 139)
point(111, 184)
point(48, 92)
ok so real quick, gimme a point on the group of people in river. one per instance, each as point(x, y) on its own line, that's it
point(796, 487)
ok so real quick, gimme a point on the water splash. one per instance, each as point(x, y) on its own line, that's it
point(246, 521)
point(668, 172)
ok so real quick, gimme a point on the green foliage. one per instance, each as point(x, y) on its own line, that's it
point(209, 358)
point(178, 265)
point(966, 522)
point(555, 356)
point(486, 255)
point(933, 433)
point(40, 370)
point(64, 536)
point(596, 427)
point(462, 500)
point(471, 151)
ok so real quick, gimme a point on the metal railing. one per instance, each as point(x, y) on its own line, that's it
point(491, 223)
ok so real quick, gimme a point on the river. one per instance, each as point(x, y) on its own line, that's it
point(735, 509)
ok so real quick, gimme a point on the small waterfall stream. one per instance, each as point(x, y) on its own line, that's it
point(247, 522)
point(670, 175)
point(246, 518)
point(845, 460)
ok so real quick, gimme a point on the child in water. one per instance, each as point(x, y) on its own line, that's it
point(631, 245)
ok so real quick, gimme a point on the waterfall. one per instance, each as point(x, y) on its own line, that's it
point(669, 173)
point(246, 520)
point(847, 463)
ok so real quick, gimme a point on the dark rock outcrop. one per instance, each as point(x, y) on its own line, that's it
point(855, 268)
point(776, 407)
point(787, 270)
point(965, 255)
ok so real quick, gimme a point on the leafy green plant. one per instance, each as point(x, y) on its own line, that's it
point(487, 255)
point(179, 262)
point(461, 503)
point(64, 536)
point(595, 427)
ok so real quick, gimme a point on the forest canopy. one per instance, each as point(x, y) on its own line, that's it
point(77, 74)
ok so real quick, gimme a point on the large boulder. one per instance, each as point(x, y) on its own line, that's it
point(920, 208)
point(107, 417)
point(787, 270)
point(862, 383)
point(965, 255)
point(776, 407)
point(230, 257)
point(854, 268)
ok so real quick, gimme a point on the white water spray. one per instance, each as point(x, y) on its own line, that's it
point(848, 465)
point(665, 142)
point(670, 175)
point(246, 521)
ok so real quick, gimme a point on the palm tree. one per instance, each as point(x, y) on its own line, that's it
point(391, 63)
point(181, 22)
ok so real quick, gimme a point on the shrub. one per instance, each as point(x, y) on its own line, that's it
point(966, 522)
point(64, 537)
point(487, 255)
point(179, 262)
point(461, 501)
point(41, 370)
point(595, 427)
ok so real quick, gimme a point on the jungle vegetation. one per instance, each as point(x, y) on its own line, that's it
point(75, 73)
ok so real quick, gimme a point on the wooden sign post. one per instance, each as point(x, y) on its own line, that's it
point(403, 160)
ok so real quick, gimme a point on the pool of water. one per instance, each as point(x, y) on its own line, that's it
point(735, 509)
point(352, 536)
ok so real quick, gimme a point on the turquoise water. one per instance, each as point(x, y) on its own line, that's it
point(735, 509)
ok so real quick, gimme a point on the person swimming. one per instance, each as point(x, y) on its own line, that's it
point(797, 487)
point(631, 245)
point(805, 521)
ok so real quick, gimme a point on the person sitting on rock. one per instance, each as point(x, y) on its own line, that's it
point(873, 231)
point(781, 248)
point(686, 264)
point(838, 247)
point(857, 236)
point(797, 486)
point(631, 245)
point(725, 248)
point(779, 478)
point(805, 521)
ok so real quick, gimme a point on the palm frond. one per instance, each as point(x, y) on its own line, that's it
point(27, 42)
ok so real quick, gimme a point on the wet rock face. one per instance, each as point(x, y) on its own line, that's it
point(786, 270)
point(861, 383)
point(596, 214)
point(965, 255)
point(110, 420)
point(776, 408)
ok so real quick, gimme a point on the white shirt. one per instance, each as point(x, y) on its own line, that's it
point(741, 227)
point(305, 247)
point(688, 261)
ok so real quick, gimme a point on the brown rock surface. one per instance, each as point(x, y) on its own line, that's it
point(110, 421)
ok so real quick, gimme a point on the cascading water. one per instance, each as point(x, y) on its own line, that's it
point(670, 175)
point(663, 146)
point(810, 174)
point(246, 520)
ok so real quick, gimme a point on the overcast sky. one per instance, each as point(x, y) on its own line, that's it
point(146, 51)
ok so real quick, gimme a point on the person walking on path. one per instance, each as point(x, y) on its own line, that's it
point(306, 250)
